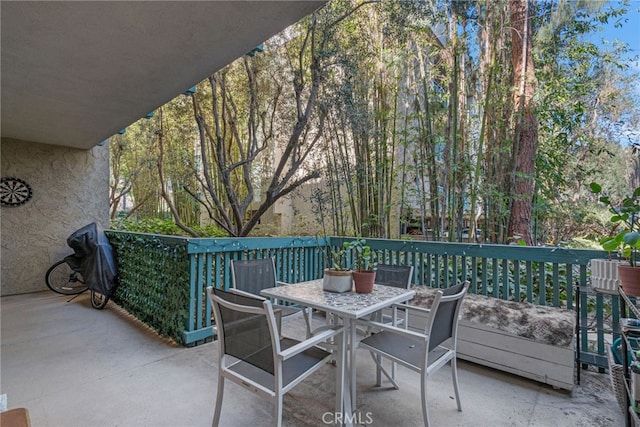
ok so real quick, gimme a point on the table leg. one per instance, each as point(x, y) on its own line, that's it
point(352, 362)
point(346, 409)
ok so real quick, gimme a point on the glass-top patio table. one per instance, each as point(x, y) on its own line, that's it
point(350, 306)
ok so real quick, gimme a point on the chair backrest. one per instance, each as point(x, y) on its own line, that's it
point(443, 321)
point(398, 276)
point(253, 275)
point(245, 328)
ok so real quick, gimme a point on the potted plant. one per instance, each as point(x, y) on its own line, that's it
point(337, 278)
point(364, 274)
point(627, 241)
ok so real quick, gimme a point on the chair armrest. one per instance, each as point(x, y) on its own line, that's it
point(412, 308)
point(322, 328)
point(394, 329)
point(308, 343)
point(246, 294)
point(280, 283)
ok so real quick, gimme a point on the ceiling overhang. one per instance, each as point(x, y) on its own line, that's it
point(75, 73)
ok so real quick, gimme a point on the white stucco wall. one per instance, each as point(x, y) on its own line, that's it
point(70, 190)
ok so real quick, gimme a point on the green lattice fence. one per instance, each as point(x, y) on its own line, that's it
point(154, 280)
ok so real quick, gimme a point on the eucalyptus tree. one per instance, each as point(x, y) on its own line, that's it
point(525, 136)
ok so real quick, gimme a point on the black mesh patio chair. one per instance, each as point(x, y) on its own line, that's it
point(252, 354)
point(424, 352)
point(253, 275)
point(398, 276)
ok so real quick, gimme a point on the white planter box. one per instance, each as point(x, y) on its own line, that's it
point(604, 275)
point(480, 341)
point(520, 356)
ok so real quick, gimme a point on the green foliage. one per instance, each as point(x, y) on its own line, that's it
point(137, 154)
point(397, 126)
point(153, 282)
point(338, 258)
point(363, 257)
point(580, 243)
point(355, 254)
point(335, 257)
point(132, 164)
point(163, 226)
point(583, 96)
point(625, 214)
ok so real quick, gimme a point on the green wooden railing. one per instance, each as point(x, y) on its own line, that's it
point(163, 278)
point(297, 259)
point(547, 276)
point(550, 276)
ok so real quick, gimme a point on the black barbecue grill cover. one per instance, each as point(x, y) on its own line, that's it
point(93, 258)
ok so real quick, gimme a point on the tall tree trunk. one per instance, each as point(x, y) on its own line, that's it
point(526, 132)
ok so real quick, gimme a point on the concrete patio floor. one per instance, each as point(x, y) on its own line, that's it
point(71, 365)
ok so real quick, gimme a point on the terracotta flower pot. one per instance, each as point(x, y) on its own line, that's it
point(363, 281)
point(629, 279)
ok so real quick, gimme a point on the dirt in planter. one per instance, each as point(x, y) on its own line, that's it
point(547, 325)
